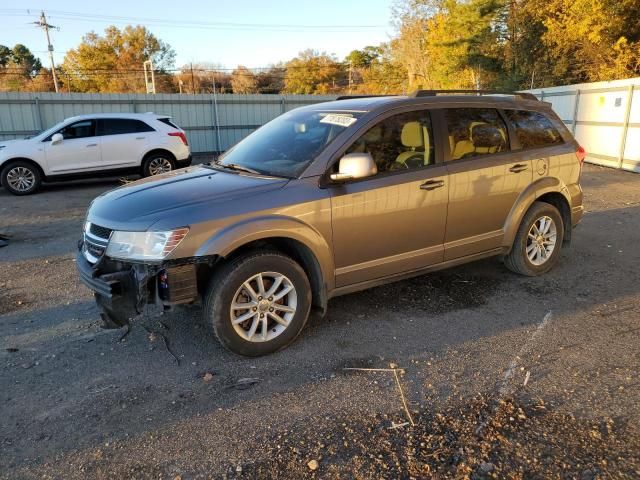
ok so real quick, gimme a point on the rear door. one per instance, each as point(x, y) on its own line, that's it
point(124, 141)
point(486, 177)
point(79, 150)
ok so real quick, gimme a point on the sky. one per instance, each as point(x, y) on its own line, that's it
point(253, 33)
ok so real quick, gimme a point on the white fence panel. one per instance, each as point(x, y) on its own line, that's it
point(604, 117)
point(24, 114)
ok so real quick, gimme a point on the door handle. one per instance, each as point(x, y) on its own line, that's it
point(432, 184)
point(92, 145)
point(140, 138)
point(518, 167)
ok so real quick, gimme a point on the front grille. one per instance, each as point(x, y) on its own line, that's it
point(98, 231)
point(95, 242)
point(94, 250)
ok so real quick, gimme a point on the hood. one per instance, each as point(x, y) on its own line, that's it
point(10, 143)
point(178, 194)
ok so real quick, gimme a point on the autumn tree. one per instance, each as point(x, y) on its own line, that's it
point(314, 72)
point(272, 79)
point(243, 80)
point(113, 62)
point(375, 70)
point(200, 78)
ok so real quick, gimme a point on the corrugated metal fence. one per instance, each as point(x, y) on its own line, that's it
point(238, 115)
point(604, 117)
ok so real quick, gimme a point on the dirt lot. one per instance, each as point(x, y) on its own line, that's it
point(503, 375)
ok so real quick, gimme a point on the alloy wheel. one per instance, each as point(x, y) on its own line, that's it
point(21, 179)
point(541, 240)
point(263, 307)
point(159, 165)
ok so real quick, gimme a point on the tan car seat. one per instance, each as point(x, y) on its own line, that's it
point(414, 136)
point(461, 144)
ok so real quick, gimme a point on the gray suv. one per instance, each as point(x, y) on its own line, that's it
point(334, 198)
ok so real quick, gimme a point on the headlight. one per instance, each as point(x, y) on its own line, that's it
point(144, 245)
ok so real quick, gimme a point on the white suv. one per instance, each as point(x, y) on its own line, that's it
point(94, 145)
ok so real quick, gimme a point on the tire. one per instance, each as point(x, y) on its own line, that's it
point(21, 178)
point(519, 259)
point(227, 287)
point(157, 163)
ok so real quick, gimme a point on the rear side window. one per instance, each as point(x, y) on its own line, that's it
point(533, 129)
point(167, 121)
point(119, 126)
point(475, 131)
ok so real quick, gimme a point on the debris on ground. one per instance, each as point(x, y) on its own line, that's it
point(521, 440)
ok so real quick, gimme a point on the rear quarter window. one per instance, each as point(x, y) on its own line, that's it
point(533, 129)
point(167, 121)
point(119, 126)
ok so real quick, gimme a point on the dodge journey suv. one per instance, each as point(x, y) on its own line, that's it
point(333, 198)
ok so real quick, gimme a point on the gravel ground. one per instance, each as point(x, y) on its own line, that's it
point(503, 376)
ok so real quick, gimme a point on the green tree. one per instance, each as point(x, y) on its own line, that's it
point(20, 69)
point(113, 62)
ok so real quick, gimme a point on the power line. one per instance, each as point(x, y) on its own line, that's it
point(80, 16)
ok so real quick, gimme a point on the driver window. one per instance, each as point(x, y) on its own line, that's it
point(400, 142)
point(81, 129)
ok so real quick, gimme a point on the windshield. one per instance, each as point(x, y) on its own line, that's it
point(48, 131)
point(285, 146)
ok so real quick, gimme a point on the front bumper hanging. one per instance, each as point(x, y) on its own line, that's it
point(123, 289)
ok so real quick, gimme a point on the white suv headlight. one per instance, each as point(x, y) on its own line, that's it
point(144, 245)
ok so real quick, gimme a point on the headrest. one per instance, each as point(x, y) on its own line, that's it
point(373, 135)
point(485, 135)
point(411, 135)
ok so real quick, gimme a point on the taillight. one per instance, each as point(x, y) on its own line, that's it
point(182, 136)
point(581, 153)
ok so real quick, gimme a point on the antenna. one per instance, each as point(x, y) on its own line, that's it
point(42, 23)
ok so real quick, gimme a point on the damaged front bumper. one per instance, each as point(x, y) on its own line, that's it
point(122, 290)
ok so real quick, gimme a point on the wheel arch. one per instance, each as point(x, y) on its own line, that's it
point(8, 162)
point(157, 150)
point(548, 189)
point(286, 235)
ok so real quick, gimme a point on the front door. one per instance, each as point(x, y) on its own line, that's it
point(394, 221)
point(79, 150)
point(485, 178)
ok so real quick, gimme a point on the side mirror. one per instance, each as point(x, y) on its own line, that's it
point(353, 166)
point(56, 139)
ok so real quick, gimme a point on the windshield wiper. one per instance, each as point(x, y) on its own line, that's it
point(239, 168)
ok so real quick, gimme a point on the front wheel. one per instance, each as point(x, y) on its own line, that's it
point(258, 303)
point(537, 245)
point(20, 178)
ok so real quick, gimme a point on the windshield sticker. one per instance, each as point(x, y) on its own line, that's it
point(336, 119)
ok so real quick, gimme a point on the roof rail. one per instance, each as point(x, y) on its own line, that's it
point(347, 97)
point(433, 93)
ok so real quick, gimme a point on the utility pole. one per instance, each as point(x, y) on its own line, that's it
point(42, 23)
point(193, 83)
point(350, 77)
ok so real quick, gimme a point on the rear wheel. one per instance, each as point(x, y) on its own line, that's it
point(157, 163)
point(258, 303)
point(21, 178)
point(536, 248)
